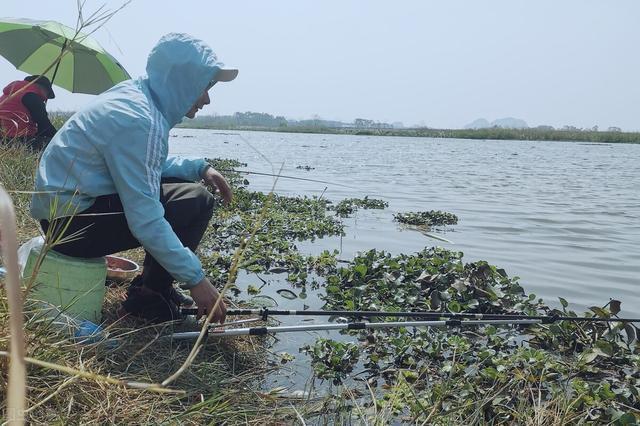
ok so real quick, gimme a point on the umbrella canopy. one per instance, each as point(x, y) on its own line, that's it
point(32, 46)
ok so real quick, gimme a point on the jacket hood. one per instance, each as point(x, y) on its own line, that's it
point(179, 69)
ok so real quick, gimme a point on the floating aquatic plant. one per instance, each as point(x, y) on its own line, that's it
point(348, 206)
point(580, 372)
point(332, 360)
point(588, 371)
point(429, 218)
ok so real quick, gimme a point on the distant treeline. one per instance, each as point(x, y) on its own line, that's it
point(254, 119)
point(531, 134)
point(360, 126)
point(268, 122)
point(263, 120)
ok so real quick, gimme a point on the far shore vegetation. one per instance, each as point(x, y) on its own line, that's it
point(262, 122)
point(364, 127)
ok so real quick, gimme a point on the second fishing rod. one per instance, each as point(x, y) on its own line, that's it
point(265, 313)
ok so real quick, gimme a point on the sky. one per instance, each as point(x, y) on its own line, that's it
point(440, 64)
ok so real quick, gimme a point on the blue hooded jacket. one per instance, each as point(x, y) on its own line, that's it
point(119, 144)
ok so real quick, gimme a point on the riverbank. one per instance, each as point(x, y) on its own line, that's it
point(100, 384)
point(549, 374)
point(482, 134)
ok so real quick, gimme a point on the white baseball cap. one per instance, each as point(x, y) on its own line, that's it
point(225, 74)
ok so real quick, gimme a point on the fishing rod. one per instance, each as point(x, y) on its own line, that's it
point(285, 177)
point(264, 313)
point(218, 331)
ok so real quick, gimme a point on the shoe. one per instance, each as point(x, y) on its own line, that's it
point(142, 302)
point(172, 293)
point(178, 297)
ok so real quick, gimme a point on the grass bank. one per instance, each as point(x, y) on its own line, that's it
point(222, 385)
point(554, 374)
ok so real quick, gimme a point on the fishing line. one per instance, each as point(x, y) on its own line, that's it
point(273, 169)
point(286, 177)
point(425, 233)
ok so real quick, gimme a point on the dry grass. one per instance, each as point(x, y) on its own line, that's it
point(220, 385)
point(17, 175)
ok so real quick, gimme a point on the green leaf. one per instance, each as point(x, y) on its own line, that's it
point(627, 419)
point(601, 313)
point(454, 306)
point(490, 373)
point(605, 391)
point(614, 306)
point(287, 294)
point(563, 302)
point(605, 347)
point(303, 294)
point(263, 301)
point(360, 270)
point(632, 334)
point(588, 356)
point(472, 303)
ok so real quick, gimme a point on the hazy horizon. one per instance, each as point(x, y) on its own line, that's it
point(436, 64)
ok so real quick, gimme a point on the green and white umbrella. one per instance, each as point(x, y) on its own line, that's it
point(33, 46)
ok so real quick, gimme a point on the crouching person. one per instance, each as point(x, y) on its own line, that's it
point(105, 182)
point(23, 112)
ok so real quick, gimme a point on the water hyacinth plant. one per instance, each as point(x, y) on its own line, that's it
point(564, 372)
point(448, 374)
point(429, 219)
point(331, 359)
point(348, 206)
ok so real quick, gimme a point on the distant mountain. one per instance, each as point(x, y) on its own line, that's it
point(480, 123)
point(505, 123)
point(510, 123)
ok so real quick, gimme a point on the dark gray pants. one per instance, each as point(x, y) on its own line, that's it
point(188, 208)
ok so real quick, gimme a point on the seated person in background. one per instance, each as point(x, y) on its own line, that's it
point(23, 112)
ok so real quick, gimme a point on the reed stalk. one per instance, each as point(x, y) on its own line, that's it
point(17, 386)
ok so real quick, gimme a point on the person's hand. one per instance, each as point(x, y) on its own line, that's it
point(205, 296)
point(213, 177)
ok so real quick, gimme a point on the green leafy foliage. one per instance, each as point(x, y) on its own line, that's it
point(428, 219)
point(578, 372)
point(332, 360)
point(226, 167)
point(349, 206)
point(273, 249)
point(433, 279)
point(594, 365)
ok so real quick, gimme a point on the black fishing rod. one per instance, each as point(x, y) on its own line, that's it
point(544, 319)
point(219, 331)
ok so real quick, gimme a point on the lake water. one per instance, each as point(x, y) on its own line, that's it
point(563, 216)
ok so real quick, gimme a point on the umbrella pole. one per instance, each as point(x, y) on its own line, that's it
point(64, 45)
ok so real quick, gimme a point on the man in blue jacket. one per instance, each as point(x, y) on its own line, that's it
point(105, 182)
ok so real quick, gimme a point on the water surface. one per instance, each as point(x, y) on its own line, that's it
point(563, 216)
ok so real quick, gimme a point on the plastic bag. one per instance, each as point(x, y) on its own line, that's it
point(25, 250)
